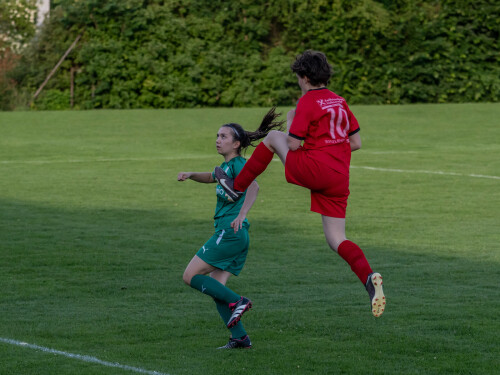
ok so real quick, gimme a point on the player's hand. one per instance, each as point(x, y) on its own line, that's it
point(289, 118)
point(183, 176)
point(237, 223)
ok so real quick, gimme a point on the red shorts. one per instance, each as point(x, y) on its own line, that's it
point(329, 188)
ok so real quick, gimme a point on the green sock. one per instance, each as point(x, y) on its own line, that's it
point(237, 331)
point(214, 289)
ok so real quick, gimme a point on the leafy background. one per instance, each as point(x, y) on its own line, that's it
point(199, 53)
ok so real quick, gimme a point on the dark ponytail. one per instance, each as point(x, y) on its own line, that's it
point(248, 138)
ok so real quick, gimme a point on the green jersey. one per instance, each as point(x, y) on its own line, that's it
point(226, 211)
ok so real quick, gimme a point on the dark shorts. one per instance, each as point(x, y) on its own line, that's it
point(226, 250)
point(329, 189)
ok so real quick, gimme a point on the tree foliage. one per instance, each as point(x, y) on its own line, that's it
point(16, 29)
point(190, 53)
point(16, 24)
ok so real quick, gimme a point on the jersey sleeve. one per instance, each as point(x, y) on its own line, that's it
point(301, 121)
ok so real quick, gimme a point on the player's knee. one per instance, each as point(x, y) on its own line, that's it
point(186, 277)
point(275, 140)
point(335, 242)
point(276, 136)
point(270, 137)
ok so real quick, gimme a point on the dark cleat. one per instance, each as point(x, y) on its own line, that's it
point(243, 343)
point(227, 184)
point(238, 309)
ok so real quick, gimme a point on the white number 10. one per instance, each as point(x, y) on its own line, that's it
point(337, 116)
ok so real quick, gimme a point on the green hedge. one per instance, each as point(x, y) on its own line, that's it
point(192, 53)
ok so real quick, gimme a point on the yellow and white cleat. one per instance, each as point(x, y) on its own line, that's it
point(377, 299)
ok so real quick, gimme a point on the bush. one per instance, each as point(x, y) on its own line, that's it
point(192, 53)
point(53, 100)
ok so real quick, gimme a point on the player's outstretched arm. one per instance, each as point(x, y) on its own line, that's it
point(250, 199)
point(203, 177)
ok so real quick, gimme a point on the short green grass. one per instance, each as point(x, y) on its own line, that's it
point(95, 233)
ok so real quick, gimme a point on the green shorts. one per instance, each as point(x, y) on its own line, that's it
point(226, 250)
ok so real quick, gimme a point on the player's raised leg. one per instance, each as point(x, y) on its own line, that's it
point(274, 143)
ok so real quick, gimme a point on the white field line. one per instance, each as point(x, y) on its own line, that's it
point(420, 171)
point(426, 172)
point(103, 160)
point(389, 152)
point(84, 358)
point(108, 160)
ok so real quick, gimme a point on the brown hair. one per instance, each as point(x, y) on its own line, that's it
point(248, 138)
point(314, 65)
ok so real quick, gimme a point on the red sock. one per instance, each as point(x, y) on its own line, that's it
point(353, 255)
point(257, 164)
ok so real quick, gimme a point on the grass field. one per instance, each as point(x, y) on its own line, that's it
point(95, 233)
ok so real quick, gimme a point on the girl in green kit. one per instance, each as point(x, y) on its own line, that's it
point(226, 251)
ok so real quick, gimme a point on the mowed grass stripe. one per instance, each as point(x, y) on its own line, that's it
point(178, 158)
point(92, 254)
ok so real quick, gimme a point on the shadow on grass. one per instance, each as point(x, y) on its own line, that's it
point(69, 276)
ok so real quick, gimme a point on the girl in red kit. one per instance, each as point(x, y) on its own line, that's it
point(329, 131)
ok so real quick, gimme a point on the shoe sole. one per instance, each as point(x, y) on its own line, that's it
point(231, 195)
point(378, 300)
point(237, 319)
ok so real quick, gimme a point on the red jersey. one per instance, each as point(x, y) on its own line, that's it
point(325, 122)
